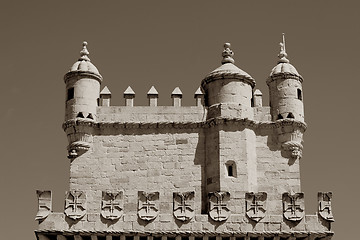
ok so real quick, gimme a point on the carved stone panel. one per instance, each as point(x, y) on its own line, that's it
point(184, 205)
point(148, 205)
point(293, 206)
point(75, 204)
point(255, 204)
point(325, 211)
point(45, 204)
point(218, 209)
point(112, 205)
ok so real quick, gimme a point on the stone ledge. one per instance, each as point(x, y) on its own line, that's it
point(189, 125)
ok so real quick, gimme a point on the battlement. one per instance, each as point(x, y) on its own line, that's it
point(174, 214)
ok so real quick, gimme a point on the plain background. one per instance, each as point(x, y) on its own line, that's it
point(169, 44)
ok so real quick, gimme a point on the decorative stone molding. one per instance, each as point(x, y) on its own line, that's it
point(218, 208)
point(148, 205)
point(112, 205)
point(75, 204)
point(44, 203)
point(284, 76)
point(295, 149)
point(301, 126)
point(293, 206)
point(325, 210)
point(255, 205)
point(184, 205)
point(241, 233)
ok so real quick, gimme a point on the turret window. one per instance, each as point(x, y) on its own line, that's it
point(230, 169)
point(70, 94)
point(299, 94)
point(80, 115)
point(290, 115)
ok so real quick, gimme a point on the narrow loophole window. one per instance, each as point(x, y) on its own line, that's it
point(70, 94)
point(230, 168)
point(299, 94)
point(230, 171)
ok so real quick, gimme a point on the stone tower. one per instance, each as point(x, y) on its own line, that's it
point(225, 169)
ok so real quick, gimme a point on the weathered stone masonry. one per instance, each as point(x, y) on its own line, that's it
point(227, 168)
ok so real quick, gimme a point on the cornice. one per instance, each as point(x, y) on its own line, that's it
point(188, 125)
point(205, 232)
point(87, 74)
point(284, 76)
point(221, 75)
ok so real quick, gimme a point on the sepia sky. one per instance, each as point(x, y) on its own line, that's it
point(172, 44)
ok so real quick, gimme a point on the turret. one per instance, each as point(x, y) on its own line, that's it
point(82, 88)
point(82, 98)
point(285, 85)
point(228, 85)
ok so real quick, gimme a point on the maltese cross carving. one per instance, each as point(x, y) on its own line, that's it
point(75, 204)
point(255, 205)
point(293, 206)
point(148, 205)
point(112, 205)
point(44, 200)
point(218, 210)
point(325, 211)
point(184, 205)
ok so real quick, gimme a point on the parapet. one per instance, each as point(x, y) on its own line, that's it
point(175, 215)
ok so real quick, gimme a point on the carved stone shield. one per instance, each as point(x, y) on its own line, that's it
point(325, 211)
point(218, 209)
point(184, 205)
point(293, 206)
point(112, 205)
point(45, 204)
point(148, 205)
point(255, 204)
point(75, 204)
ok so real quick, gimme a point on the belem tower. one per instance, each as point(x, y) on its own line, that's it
point(226, 168)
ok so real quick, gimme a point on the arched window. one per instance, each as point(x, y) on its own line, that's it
point(230, 169)
point(299, 94)
point(70, 94)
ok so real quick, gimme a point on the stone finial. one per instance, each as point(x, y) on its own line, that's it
point(129, 96)
point(176, 96)
point(105, 96)
point(257, 98)
point(199, 97)
point(84, 52)
point(227, 54)
point(153, 96)
point(283, 55)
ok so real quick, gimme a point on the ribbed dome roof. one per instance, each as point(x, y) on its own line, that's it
point(84, 64)
point(284, 68)
point(228, 69)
